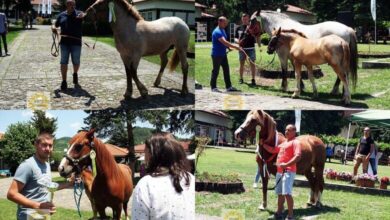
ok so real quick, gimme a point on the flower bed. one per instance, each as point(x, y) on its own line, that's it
point(384, 182)
point(219, 183)
point(366, 180)
point(333, 175)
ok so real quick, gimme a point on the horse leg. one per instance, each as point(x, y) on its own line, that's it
point(164, 62)
point(320, 185)
point(335, 90)
point(102, 210)
point(125, 210)
point(343, 76)
point(142, 89)
point(311, 77)
point(184, 68)
point(298, 69)
point(117, 211)
point(283, 62)
point(264, 180)
point(129, 89)
point(312, 182)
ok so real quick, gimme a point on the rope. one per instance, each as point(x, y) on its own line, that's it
point(78, 188)
point(55, 45)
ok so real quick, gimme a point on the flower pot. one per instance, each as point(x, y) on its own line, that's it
point(365, 183)
point(383, 186)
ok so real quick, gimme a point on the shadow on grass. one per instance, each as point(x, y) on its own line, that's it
point(310, 211)
point(77, 91)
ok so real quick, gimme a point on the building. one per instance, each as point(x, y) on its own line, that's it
point(155, 9)
point(299, 14)
point(120, 154)
point(205, 23)
point(215, 125)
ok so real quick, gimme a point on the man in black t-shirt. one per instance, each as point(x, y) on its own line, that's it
point(70, 22)
point(247, 42)
point(363, 151)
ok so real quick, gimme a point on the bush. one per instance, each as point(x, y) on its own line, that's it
point(264, 39)
point(43, 21)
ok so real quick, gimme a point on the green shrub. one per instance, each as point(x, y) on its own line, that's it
point(264, 39)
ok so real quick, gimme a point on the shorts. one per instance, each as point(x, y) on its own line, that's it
point(250, 52)
point(285, 185)
point(73, 50)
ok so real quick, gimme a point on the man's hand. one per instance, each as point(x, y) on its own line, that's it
point(81, 15)
point(283, 165)
point(54, 30)
point(48, 205)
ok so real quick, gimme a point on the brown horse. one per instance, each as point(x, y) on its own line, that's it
point(330, 49)
point(112, 185)
point(135, 38)
point(313, 154)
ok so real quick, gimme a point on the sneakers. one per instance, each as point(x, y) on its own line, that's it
point(253, 82)
point(64, 85)
point(241, 81)
point(215, 90)
point(75, 79)
point(255, 185)
point(232, 89)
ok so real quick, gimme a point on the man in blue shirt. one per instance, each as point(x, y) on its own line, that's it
point(219, 57)
point(70, 22)
point(3, 33)
point(25, 189)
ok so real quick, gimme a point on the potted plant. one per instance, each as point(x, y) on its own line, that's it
point(330, 174)
point(366, 180)
point(384, 182)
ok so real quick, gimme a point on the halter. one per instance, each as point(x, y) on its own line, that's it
point(91, 154)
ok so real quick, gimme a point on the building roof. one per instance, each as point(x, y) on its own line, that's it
point(117, 151)
point(205, 15)
point(140, 148)
point(295, 9)
point(1, 136)
point(217, 113)
point(197, 5)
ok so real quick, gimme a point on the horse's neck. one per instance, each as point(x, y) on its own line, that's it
point(281, 138)
point(271, 21)
point(124, 21)
point(104, 161)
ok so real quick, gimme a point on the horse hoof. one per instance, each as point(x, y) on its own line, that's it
point(318, 205)
point(261, 208)
point(156, 83)
point(127, 96)
point(144, 93)
point(308, 205)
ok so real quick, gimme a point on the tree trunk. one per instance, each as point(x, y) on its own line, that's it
point(131, 155)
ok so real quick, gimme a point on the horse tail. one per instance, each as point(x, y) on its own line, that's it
point(174, 61)
point(353, 57)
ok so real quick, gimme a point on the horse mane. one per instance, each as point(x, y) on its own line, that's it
point(294, 32)
point(269, 124)
point(111, 168)
point(130, 9)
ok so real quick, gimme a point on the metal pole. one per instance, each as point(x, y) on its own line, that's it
point(375, 31)
point(346, 146)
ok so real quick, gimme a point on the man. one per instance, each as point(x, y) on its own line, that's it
point(289, 153)
point(363, 152)
point(247, 42)
point(219, 57)
point(70, 22)
point(3, 33)
point(25, 189)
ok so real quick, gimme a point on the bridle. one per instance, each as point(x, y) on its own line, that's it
point(75, 161)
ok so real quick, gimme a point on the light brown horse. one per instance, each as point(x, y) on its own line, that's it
point(330, 49)
point(135, 38)
point(112, 186)
point(313, 154)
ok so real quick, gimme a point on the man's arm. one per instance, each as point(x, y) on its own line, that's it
point(228, 44)
point(15, 196)
point(372, 148)
point(294, 160)
point(272, 150)
point(357, 149)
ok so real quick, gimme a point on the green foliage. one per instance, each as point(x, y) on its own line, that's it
point(212, 177)
point(200, 143)
point(141, 134)
point(264, 39)
point(61, 143)
point(43, 123)
point(17, 144)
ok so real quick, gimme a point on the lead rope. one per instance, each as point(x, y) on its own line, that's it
point(78, 188)
point(55, 45)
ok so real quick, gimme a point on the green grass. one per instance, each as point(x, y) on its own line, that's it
point(8, 212)
point(156, 59)
point(337, 204)
point(365, 48)
point(372, 87)
point(14, 31)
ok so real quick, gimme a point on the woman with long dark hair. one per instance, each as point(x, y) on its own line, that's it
point(168, 189)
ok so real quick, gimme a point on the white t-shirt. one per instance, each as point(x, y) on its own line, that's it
point(156, 198)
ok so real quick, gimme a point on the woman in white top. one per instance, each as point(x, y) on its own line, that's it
point(168, 189)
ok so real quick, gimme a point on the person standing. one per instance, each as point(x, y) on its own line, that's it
point(25, 189)
point(247, 42)
point(70, 22)
point(363, 152)
point(289, 153)
point(219, 56)
point(3, 34)
point(167, 191)
point(373, 163)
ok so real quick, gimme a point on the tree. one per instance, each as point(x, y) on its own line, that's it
point(43, 123)
point(17, 144)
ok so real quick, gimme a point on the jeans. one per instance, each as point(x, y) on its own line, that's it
point(257, 178)
point(74, 50)
point(4, 38)
point(373, 165)
point(217, 62)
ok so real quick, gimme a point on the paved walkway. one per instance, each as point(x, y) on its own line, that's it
point(31, 68)
point(205, 99)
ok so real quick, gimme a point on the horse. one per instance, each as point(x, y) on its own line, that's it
point(330, 49)
point(313, 154)
point(263, 21)
point(135, 38)
point(112, 186)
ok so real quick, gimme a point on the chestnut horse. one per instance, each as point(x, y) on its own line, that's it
point(330, 49)
point(112, 185)
point(135, 38)
point(313, 154)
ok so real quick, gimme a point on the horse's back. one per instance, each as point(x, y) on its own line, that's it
point(328, 28)
point(313, 150)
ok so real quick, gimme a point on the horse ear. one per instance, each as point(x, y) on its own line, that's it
point(91, 134)
point(280, 30)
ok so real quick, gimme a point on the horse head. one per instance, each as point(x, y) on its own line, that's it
point(78, 155)
point(256, 118)
point(254, 27)
point(273, 43)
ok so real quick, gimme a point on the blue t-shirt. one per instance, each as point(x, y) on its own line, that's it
point(218, 49)
point(71, 26)
point(28, 173)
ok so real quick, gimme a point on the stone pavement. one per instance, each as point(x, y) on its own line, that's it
point(205, 99)
point(31, 68)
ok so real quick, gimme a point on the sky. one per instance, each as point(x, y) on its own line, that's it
point(68, 121)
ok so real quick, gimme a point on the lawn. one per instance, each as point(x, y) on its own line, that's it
point(8, 212)
point(14, 31)
point(337, 204)
point(372, 87)
point(156, 59)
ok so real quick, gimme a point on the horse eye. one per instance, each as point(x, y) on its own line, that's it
point(78, 147)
